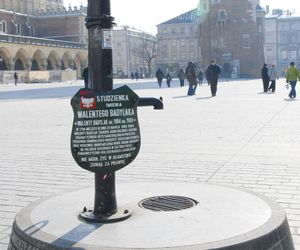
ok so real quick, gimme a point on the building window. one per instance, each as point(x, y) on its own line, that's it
point(270, 38)
point(283, 26)
point(259, 24)
point(295, 26)
point(164, 45)
point(119, 57)
point(192, 43)
point(293, 55)
point(293, 38)
point(284, 54)
point(174, 43)
point(182, 43)
point(2, 26)
point(222, 15)
point(174, 56)
point(192, 55)
point(19, 29)
point(165, 30)
point(191, 29)
point(269, 52)
point(246, 41)
point(283, 38)
point(182, 56)
point(222, 20)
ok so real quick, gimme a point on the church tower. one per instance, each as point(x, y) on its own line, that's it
point(233, 34)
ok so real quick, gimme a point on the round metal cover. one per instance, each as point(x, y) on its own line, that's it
point(167, 203)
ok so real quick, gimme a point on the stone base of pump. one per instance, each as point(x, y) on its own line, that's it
point(170, 215)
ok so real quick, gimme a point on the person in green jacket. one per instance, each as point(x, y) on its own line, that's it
point(292, 75)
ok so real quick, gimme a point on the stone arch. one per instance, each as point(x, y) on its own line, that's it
point(79, 64)
point(38, 61)
point(67, 61)
point(53, 61)
point(22, 61)
point(5, 59)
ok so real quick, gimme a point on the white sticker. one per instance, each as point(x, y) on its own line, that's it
point(107, 39)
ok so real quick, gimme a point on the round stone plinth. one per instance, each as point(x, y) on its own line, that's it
point(223, 218)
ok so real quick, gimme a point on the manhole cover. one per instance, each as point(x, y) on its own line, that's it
point(167, 203)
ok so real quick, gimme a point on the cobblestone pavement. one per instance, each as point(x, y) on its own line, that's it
point(241, 137)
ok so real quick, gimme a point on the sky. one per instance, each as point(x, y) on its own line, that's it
point(146, 14)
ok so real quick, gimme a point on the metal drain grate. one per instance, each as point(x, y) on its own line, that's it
point(167, 203)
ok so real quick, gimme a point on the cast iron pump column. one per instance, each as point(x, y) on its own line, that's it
point(105, 154)
point(101, 78)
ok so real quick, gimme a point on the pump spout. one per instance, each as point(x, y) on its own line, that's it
point(150, 101)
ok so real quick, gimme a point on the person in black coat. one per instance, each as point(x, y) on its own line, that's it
point(159, 75)
point(212, 74)
point(191, 76)
point(85, 76)
point(169, 79)
point(265, 77)
point(16, 78)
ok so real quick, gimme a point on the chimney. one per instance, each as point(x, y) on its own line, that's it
point(267, 9)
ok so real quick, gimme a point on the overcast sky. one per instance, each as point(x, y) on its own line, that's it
point(146, 14)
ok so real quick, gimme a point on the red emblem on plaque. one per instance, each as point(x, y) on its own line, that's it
point(87, 100)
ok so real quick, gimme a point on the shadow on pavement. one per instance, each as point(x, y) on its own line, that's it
point(182, 96)
point(63, 92)
point(204, 98)
point(290, 100)
point(44, 93)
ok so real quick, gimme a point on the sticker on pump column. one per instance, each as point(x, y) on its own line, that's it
point(107, 39)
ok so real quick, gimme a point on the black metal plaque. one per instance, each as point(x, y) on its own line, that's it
point(105, 134)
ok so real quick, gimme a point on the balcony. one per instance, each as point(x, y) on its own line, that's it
point(41, 42)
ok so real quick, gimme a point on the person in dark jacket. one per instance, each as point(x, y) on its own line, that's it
point(85, 76)
point(169, 79)
point(181, 77)
point(136, 75)
point(159, 76)
point(265, 77)
point(16, 78)
point(200, 76)
point(191, 76)
point(212, 74)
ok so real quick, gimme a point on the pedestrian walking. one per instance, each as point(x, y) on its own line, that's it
point(265, 77)
point(159, 76)
point(292, 75)
point(181, 77)
point(200, 76)
point(272, 73)
point(212, 73)
point(191, 76)
point(85, 76)
point(136, 74)
point(16, 78)
point(169, 79)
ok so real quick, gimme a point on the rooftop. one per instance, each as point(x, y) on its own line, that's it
point(188, 17)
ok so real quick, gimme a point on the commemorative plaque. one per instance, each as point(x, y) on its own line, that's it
point(105, 133)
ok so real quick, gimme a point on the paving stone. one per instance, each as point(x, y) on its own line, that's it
point(239, 138)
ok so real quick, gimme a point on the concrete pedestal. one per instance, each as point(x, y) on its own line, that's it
point(224, 218)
